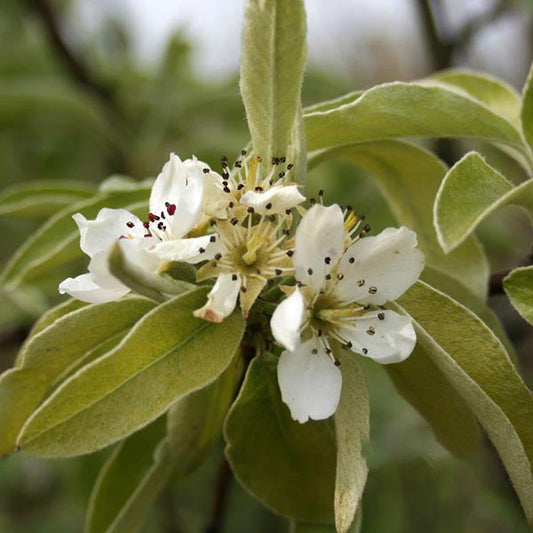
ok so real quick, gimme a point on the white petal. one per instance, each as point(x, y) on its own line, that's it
point(288, 319)
point(222, 299)
point(274, 200)
point(180, 185)
point(110, 224)
point(319, 244)
point(140, 261)
point(390, 339)
point(85, 289)
point(187, 250)
point(101, 275)
point(310, 383)
point(216, 200)
point(381, 268)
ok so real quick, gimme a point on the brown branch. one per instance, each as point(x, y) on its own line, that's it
point(73, 65)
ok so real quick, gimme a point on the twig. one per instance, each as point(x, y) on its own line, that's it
point(223, 483)
point(496, 279)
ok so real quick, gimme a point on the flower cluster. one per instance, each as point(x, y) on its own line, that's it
point(237, 226)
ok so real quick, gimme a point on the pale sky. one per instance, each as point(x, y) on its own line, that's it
point(344, 36)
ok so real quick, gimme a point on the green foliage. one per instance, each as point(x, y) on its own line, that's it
point(129, 482)
point(52, 353)
point(194, 423)
point(42, 199)
point(408, 110)
point(478, 367)
point(290, 467)
point(273, 62)
point(56, 241)
point(527, 110)
point(519, 287)
point(471, 191)
point(166, 355)
point(352, 428)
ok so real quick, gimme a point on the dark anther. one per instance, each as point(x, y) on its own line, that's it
point(243, 289)
point(328, 276)
point(321, 192)
point(243, 152)
point(272, 218)
point(278, 271)
point(364, 350)
point(367, 228)
point(349, 207)
point(337, 362)
point(206, 170)
point(327, 260)
point(213, 238)
point(259, 188)
point(290, 166)
point(231, 205)
point(290, 253)
point(226, 189)
point(238, 164)
point(371, 331)
point(310, 271)
point(340, 276)
point(240, 186)
point(234, 221)
point(288, 211)
point(381, 316)
point(351, 260)
point(312, 201)
point(372, 290)
point(218, 256)
point(201, 250)
point(348, 345)
point(314, 351)
point(130, 224)
point(362, 234)
point(281, 175)
point(282, 159)
point(361, 282)
point(234, 277)
point(250, 210)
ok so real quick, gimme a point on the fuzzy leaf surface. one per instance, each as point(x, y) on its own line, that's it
point(289, 467)
point(168, 354)
point(478, 367)
point(272, 66)
point(471, 191)
point(519, 288)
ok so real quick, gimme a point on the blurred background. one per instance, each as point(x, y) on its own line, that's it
point(94, 88)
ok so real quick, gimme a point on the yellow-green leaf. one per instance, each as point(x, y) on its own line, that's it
point(519, 287)
point(471, 191)
point(272, 66)
point(527, 109)
point(168, 354)
point(289, 467)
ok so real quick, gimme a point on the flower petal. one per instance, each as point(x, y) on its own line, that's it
point(186, 250)
point(274, 200)
point(288, 319)
point(110, 224)
point(385, 336)
point(222, 299)
point(179, 185)
point(253, 287)
point(85, 289)
point(319, 244)
point(381, 268)
point(310, 383)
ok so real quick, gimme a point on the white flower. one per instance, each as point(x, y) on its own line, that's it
point(253, 245)
point(176, 208)
point(342, 281)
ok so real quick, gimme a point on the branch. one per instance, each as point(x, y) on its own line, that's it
point(496, 279)
point(74, 66)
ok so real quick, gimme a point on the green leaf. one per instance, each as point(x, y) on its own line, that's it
point(494, 93)
point(43, 198)
point(272, 66)
point(475, 362)
point(289, 467)
point(57, 240)
point(297, 152)
point(194, 423)
point(409, 178)
point(306, 527)
point(129, 482)
point(400, 109)
point(471, 191)
point(519, 288)
point(49, 355)
point(352, 428)
point(168, 354)
point(54, 314)
point(527, 109)
point(141, 281)
point(420, 381)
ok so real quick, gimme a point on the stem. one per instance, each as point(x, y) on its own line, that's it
point(496, 279)
point(223, 484)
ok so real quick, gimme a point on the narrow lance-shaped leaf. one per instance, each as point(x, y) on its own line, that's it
point(272, 66)
point(352, 429)
point(194, 423)
point(476, 364)
point(519, 287)
point(42, 198)
point(288, 466)
point(57, 240)
point(168, 354)
point(527, 109)
point(409, 178)
point(129, 482)
point(50, 354)
point(471, 191)
point(400, 109)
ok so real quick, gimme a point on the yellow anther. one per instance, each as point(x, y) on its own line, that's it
point(332, 315)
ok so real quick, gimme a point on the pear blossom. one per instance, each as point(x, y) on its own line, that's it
point(253, 244)
point(177, 204)
point(342, 280)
